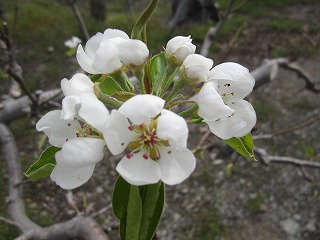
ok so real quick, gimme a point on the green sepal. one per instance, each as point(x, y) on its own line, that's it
point(95, 77)
point(197, 120)
point(139, 209)
point(109, 85)
point(123, 96)
point(243, 145)
point(45, 164)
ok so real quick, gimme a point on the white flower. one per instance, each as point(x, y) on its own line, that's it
point(107, 52)
point(180, 47)
point(195, 68)
point(72, 42)
point(79, 83)
point(155, 138)
point(221, 103)
point(80, 141)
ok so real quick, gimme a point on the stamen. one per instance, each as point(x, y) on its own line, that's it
point(131, 127)
point(145, 156)
point(129, 155)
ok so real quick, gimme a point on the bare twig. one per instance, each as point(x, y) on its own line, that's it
point(10, 222)
point(22, 84)
point(213, 31)
point(309, 85)
point(77, 14)
point(266, 158)
point(16, 207)
point(287, 130)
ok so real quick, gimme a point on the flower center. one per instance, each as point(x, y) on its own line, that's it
point(147, 140)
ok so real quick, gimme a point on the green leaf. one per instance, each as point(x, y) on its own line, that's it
point(243, 145)
point(70, 52)
point(157, 70)
point(139, 209)
point(126, 203)
point(3, 75)
point(109, 86)
point(45, 164)
point(153, 199)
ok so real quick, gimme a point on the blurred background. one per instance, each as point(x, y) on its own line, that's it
point(227, 197)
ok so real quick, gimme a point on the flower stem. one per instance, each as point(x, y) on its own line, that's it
point(171, 71)
point(141, 80)
point(189, 111)
point(106, 99)
point(176, 87)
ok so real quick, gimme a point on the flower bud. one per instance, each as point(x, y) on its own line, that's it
point(178, 48)
point(195, 68)
point(108, 52)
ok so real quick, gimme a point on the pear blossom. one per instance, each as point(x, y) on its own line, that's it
point(221, 103)
point(79, 83)
point(179, 48)
point(105, 53)
point(155, 139)
point(80, 141)
point(195, 68)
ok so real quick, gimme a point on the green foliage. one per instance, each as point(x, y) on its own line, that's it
point(8, 232)
point(254, 204)
point(243, 145)
point(45, 164)
point(139, 209)
point(285, 25)
point(210, 226)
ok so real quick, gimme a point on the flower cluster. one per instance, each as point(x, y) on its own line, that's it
point(141, 125)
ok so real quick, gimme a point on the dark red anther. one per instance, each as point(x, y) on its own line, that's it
point(131, 127)
point(129, 155)
point(145, 156)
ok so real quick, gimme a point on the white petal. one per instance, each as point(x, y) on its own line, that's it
point(70, 178)
point(141, 108)
point(197, 67)
point(233, 78)
point(245, 112)
point(106, 59)
point(183, 52)
point(93, 111)
point(76, 85)
point(133, 52)
point(70, 105)
point(240, 124)
point(113, 33)
point(196, 59)
point(139, 171)
point(85, 61)
point(80, 152)
point(211, 105)
point(57, 130)
point(175, 43)
point(93, 44)
point(116, 132)
point(176, 165)
point(226, 128)
point(172, 127)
